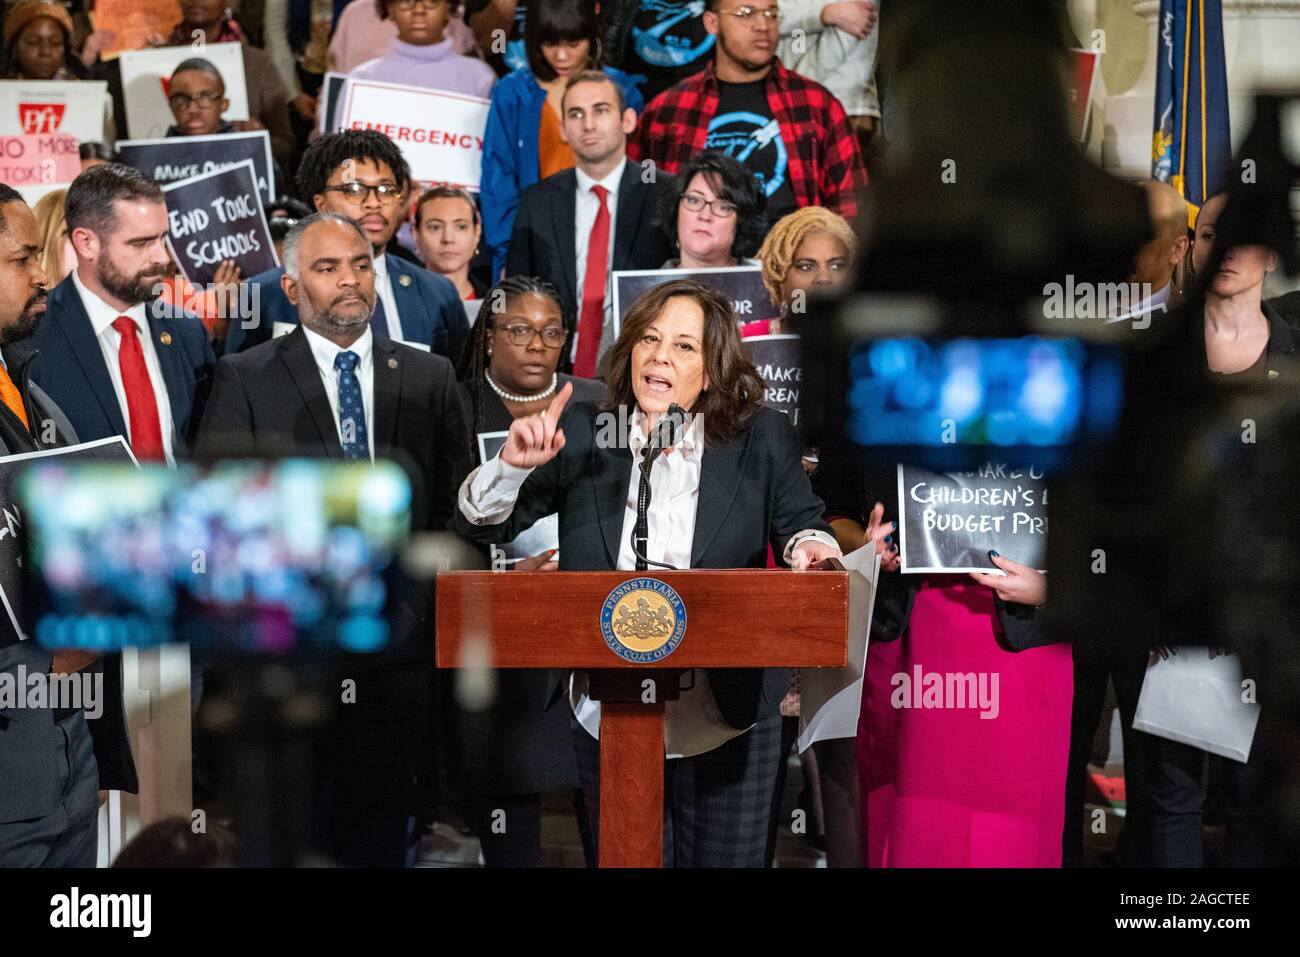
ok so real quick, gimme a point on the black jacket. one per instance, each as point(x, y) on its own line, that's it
point(543, 242)
point(753, 493)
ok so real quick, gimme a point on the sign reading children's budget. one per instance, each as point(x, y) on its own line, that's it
point(175, 158)
point(439, 133)
point(951, 521)
point(218, 216)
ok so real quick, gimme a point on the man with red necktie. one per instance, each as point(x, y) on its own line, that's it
point(118, 361)
point(576, 228)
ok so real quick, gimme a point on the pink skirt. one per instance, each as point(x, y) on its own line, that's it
point(962, 744)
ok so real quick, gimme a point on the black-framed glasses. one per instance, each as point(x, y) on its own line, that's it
point(406, 6)
point(359, 192)
point(746, 13)
point(719, 207)
point(206, 99)
point(519, 334)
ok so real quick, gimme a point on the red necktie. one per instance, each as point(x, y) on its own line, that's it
point(141, 404)
point(593, 291)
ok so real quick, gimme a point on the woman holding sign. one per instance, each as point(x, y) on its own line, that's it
point(522, 746)
point(964, 732)
point(728, 486)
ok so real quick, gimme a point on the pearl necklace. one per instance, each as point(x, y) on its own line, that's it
point(522, 399)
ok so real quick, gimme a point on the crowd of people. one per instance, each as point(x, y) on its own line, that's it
point(626, 135)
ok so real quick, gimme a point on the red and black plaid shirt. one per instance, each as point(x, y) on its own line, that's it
point(826, 167)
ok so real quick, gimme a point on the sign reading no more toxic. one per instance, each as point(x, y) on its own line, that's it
point(218, 216)
point(951, 521)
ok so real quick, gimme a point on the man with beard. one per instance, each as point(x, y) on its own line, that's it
point(789, 131)
point(362, 175)
point(332, 389)
point(48, 806)
point(118, 361)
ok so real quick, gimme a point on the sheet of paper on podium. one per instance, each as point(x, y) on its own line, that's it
point(830, 698)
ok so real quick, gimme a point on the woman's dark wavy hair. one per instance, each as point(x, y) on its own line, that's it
point(556, 20)
point(735, 390)
point(730, 181)
point(330, 152)
point(474, 359)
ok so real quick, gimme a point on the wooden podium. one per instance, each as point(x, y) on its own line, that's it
point(733, 619)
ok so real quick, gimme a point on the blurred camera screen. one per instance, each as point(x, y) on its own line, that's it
point(1028, 392)
point(246, 558)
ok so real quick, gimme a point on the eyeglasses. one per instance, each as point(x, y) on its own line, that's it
point(360, 192)
point(719, 207)
point(406, 6)
point(206, 99)
point(521, 335)
point(747, 14)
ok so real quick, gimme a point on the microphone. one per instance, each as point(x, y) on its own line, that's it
point(665, 433)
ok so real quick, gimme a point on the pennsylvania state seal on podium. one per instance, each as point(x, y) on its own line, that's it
point(643, 620)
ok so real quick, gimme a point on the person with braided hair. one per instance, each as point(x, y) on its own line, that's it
point(523, 746)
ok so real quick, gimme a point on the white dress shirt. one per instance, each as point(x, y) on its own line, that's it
point(102, 316)
point(324, 352)
point(586, 207)
point(693, 724)
point(384, 289)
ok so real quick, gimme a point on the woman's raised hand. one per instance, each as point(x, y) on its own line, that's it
point(536, 439)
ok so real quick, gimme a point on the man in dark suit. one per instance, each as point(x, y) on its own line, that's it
point(574, 229)
point(361, 174)
point(118, 361)
point(48, 777)
point(331, 389)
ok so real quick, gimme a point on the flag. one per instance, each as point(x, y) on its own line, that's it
point(1191, 147)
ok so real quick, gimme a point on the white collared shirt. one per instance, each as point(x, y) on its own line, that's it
point(1158, 302)
point(586, 207)
point(324, 352)
point(102, 316)
point(384, 290)
point(693, 724)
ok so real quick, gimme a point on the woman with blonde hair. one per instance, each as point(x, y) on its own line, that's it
point(57, 255)
point(810, 250)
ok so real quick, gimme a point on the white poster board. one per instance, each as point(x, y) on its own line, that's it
point(146, 73)
point(71, 107)
point(439, 133)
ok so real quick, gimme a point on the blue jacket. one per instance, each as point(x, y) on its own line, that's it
point(430, 310)
point(72, 369)
point(510, 156)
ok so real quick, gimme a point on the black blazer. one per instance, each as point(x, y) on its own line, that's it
point(753, 493)
point(72, 369)
point(269, 401)
point(543, 242)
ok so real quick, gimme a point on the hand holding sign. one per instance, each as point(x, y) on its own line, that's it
point(1021, 585)
point(536, 439)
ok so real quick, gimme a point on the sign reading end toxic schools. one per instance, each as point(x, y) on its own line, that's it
point(215, 217)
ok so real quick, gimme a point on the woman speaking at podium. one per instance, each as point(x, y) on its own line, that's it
point(729, 485)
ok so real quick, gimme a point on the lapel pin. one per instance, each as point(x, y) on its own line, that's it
point(1272, 373)
point(165, 338)
point(392, 363)
point(404, 279)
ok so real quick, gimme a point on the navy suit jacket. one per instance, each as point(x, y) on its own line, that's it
point(430, 310)
point(71, 370)
point(753, 493)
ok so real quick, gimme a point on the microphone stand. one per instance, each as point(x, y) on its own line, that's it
point(671, 423)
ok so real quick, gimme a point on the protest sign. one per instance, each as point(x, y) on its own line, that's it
point(133, 22)
point(439, 133)
point(11, 520)
point(778, 361)
point(949, 522)
point(146, 75)
point(743, 285)
point(174, 158)
point(331, 93)
point(72, 107)
point(37, 164)
point(216, 216)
